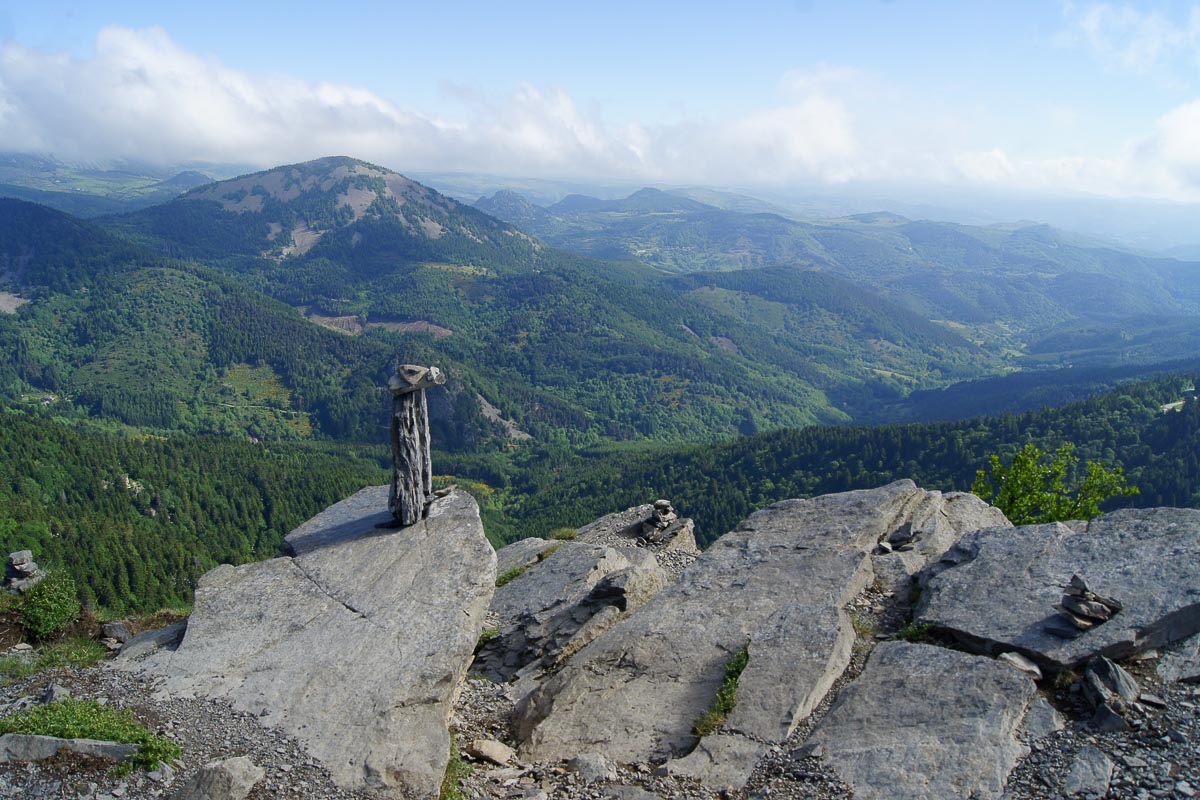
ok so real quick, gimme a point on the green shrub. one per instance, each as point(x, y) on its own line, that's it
point(48, 608)
point(87, 719)
point(562, 534)
point(726, 698)
point(1031, 490)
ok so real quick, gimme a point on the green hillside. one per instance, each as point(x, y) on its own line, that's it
point(719, 485)
point(136, 520)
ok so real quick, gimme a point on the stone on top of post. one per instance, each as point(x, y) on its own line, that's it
point(412, 474)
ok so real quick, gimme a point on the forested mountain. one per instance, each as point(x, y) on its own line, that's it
point(169, 345)
point(156, 364)
point(1142, 426)
point(1050, 296)
point(562, 345)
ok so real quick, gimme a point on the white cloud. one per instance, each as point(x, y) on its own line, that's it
point(142, 97)
point(1126, 38)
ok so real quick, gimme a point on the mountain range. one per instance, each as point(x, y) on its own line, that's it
point(218, 281)
point(1051, 296)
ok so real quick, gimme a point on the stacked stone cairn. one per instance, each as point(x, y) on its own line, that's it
point(1083, 608)
point(654, 530)
point(22, 573)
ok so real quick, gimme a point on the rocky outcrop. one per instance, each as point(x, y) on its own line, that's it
point(779, 583)
point(926, 722)
point(1002, 589)
point(568, 594)
point(356, 645)
point(655, 527)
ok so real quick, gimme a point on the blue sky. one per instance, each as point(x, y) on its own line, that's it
point(1078, 97)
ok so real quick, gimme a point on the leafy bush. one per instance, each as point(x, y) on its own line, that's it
point(52, 605)
point(726, 698)
point(562, 534)
point(87, 719)
point(1030, 491)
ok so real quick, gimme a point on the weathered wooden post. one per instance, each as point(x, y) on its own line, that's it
point(412, 475)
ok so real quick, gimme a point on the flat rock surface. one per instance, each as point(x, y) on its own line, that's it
point(998, 588)
point(356, 646)
point(929, 723)
point(779, 582)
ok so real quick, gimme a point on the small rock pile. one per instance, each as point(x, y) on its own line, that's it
point(22, 573)
point(655, 527)
point(654, 530)
point(1083, 608)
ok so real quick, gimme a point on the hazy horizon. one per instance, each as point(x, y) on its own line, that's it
point(1074, 98)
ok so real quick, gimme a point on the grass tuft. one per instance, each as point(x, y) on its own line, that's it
point(509, 575)
point(72, 652)
point(862, 625)
point(914, 632)
point(726, 699)
point(485, 636)
point(456, 770)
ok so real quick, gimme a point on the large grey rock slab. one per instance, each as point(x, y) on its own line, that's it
point(356, 646)
point(674, 545)
point(935, 523)
point(997, 589)
point(521, 553)
point(927, 723)
point(569, 593)
point(30, 747)
point(778, 583)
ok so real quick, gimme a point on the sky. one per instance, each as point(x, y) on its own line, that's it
point(1090, 98)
